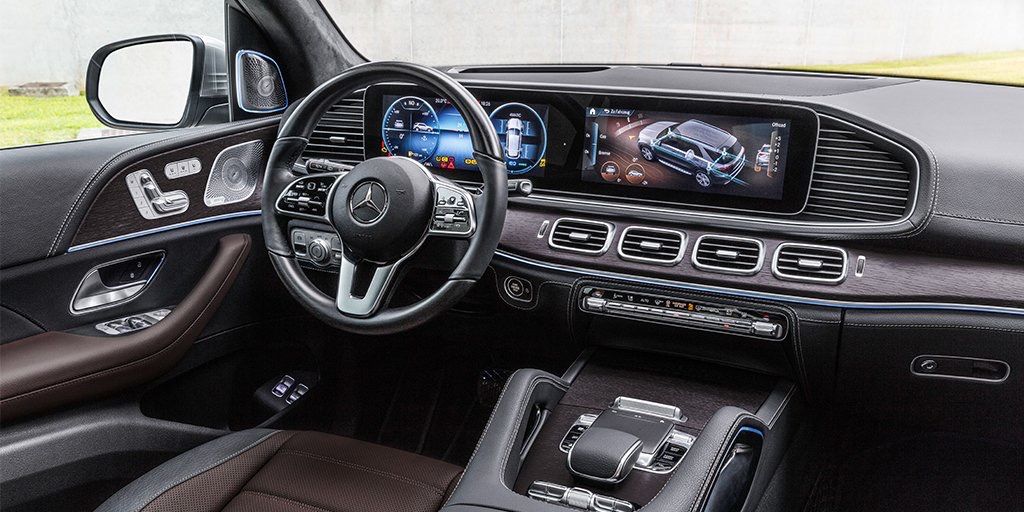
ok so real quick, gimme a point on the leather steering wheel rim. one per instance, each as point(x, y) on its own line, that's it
point(488, 206)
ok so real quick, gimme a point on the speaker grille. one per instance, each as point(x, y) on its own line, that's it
point(260, 87)
point(234, 174)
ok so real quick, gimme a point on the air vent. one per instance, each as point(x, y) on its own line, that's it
point(728, 254)
point(339, 134)
point(814, 263)
point(856, 178)
point(586, 236)
point(652, 245)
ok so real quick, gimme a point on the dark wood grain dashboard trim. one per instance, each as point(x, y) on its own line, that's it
point(113, 213)
point(889, 276)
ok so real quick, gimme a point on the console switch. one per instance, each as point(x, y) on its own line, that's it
point(685, 312)
point(577, 497)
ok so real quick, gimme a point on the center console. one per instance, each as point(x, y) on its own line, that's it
point(621, 431)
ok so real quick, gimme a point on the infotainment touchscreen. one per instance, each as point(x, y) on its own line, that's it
point(702, 153)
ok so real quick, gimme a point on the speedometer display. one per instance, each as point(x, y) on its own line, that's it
point(431, 130)
point(410, 128)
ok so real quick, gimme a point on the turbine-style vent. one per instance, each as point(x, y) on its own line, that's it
point(728, 254)
point(339, 134)
point(814, 263)
point(652, 245)
point(856, 179)
point(586, 236)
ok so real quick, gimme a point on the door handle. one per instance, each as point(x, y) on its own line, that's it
point(115, 282)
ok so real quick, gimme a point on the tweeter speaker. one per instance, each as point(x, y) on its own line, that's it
point(234, 174)
point(259, 86)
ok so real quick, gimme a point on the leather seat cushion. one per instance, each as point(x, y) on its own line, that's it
point(291, 471)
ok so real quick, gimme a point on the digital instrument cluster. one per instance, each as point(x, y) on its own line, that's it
point(431, 131)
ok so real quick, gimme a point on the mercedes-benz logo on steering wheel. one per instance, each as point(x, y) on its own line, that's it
point(368, 202)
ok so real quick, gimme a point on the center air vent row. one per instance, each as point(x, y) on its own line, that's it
point(712, 253)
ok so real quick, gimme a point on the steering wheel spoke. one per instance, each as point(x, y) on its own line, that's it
point(308, 197)
point(363, 286)
point(454, 214)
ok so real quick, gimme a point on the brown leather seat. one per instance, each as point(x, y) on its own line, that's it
point(257, 470)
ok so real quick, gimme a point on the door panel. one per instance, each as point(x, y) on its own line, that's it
point(52, 356)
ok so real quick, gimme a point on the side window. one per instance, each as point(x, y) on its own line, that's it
point(151, 85)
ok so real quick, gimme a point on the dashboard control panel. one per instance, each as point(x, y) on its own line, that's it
point(684, 312)
point(319, 248)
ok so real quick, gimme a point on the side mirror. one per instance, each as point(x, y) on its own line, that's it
point(159, 82)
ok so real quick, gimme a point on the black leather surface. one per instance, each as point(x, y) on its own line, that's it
point(139, 493)
point(604, 454)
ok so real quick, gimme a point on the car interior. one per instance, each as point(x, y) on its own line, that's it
point(338, 284)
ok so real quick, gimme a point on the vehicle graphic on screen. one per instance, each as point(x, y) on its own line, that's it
point(514, 138)
point(708, 153)
point(763, 158)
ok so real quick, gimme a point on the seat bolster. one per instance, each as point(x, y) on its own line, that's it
point(142, 492)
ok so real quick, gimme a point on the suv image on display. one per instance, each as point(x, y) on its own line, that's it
point(710, 154)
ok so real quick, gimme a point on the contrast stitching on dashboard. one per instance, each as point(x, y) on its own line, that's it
point(981, 219)
point(77, 380)
point(131, 151)
point(936, 326)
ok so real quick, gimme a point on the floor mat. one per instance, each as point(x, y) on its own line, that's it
point(932, 472)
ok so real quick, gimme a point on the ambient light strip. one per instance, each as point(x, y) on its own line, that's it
point(161, 229)
point(622, 277)
point(760, 295)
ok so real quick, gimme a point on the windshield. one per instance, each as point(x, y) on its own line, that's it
point(945, 39)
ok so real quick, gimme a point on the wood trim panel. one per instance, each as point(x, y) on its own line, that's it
point(114, 213)
point(889, 276)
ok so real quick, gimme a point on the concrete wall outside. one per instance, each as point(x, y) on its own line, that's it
point(52, 40)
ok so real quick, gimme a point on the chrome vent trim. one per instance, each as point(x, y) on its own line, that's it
point(343, 123)
point(857, 179)
point(810, 263)
point(652, 245)
point(581, 235)
point(712, 253)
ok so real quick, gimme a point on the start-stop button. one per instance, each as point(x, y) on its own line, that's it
point(518, 288)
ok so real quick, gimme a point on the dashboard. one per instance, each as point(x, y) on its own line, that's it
point(728, 155)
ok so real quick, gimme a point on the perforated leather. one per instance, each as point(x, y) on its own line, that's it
point(256, 471)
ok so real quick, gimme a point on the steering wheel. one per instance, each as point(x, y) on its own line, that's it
point(383, 209)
